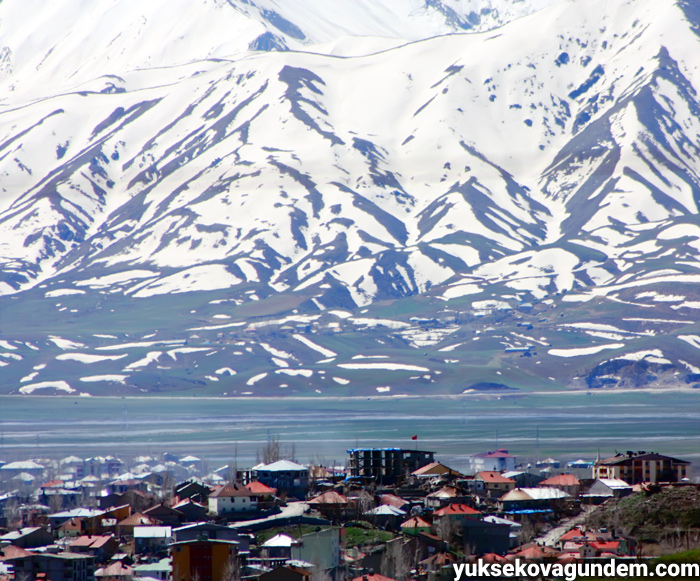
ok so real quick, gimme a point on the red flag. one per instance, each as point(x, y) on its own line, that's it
point(414, 437)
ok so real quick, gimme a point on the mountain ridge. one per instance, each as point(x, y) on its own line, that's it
point(463, 173)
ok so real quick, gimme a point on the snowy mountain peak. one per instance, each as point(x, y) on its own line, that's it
point(350, 154)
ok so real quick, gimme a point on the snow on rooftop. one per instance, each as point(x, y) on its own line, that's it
point(279, 540)
point(77, 513)
point(152, 532)
point(614, 483)
point(22, 465)
point(281, 466)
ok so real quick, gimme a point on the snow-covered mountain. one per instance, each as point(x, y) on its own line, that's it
point(468, 165)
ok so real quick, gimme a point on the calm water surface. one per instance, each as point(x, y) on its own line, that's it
point(566, 425)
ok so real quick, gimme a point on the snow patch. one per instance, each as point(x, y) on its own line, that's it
point(111, 378)
point(62, 292)
point(60, 385)
point(693, 340)
point(575, 352)
point(88, 358)
point(184, 350)
point(151, 357)
point(294, 372)
point(387, 366)
point(315, 346)
point(253, 380)
point(65, 344)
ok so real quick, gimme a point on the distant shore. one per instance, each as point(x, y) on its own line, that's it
point(682, 388)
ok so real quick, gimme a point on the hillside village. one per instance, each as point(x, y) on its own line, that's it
point(389, 513)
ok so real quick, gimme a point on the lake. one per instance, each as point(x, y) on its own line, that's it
point(567, 425)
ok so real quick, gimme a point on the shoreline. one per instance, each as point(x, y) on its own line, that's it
point(441, 396)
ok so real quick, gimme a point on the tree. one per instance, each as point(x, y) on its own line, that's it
point(528, 530)
point(319, 574)
point(12, 512)
point(271, 451)
point(395, 561)
point(446, 528)
point(232, 570)
point(167, 488)
point(232, 472)
point(55, 502)
point(365, 502)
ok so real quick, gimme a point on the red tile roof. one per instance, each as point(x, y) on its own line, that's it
point(572, 534)
point(445, 492)
point(53, 484)
point(569, 557)
point(494, 477)
point(187, 501)
point(452, 509)
point(533, 553)
point(117, 569)
point(415, 522)
point(561, 480)
point(137, 519)
point(439, 559)
point(501, 453)
point(608, 546)
point(392, 500)
point(260, 488)
point(493, 558)
point(92, 541)
point(72, 523)
point(13, 552)
point(434, 469)
point(230, 490)
point(330, 497)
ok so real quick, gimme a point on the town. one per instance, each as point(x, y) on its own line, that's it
point(388, 514)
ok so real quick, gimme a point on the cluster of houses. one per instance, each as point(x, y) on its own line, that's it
point(390, 513)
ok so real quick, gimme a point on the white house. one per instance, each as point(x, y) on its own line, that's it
point(232, 498)
point(493, 461)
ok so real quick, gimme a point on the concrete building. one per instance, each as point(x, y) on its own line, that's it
point(204, 560)
point(212, 531)
point(283, 475)
point(386, 465)
point(636, 467)
point(28, 537)
point(152, 539)
point(61, 566)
